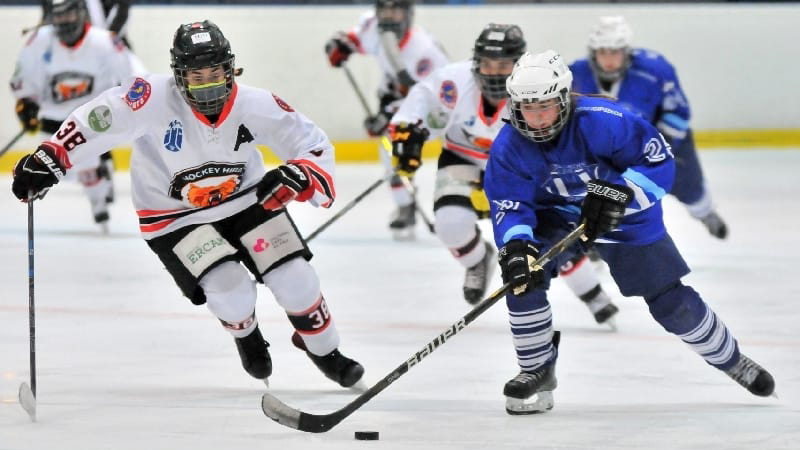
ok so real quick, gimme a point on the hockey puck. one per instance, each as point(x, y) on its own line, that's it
point(367, 435)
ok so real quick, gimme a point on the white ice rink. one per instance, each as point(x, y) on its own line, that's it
point(126, 363)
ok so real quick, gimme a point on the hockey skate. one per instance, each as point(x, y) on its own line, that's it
point(601, 307)
point(477, 277)
point(337, 367)
point(715, 225)
point(532, 392)
point(253, 350)
point(752, 377)
point(402, 222)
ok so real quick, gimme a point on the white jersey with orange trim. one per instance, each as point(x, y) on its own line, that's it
point(449, 102)
point(420, 52)
point(185, 171)
point(61, 78)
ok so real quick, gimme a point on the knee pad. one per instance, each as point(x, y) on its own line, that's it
point(679, 309)
point(294, 284)
point(455, 225)
point(231, 295)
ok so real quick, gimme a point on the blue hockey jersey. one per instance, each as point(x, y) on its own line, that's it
point(649, 88)
point(600, 140)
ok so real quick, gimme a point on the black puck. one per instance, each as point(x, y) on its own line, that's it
point(367, 435)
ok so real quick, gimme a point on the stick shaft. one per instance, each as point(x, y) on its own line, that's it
point(357, 89)
point(12, 142)
point(31, 304)
point(344, 209)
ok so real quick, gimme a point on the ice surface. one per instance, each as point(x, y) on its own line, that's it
point(125, 362)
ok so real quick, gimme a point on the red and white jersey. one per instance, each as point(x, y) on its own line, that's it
point(420, 52)
point(449, 102)
point(186, 171)
point(61, 78)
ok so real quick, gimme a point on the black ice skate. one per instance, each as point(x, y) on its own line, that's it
point(715, 225)
point(601, 307)
point(402, 222)
point(477, 277)
point(532, 392)
point(752, 377)
point(337, 367)
point(255, 355)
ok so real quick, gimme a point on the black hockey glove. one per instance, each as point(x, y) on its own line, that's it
point(284, 184)
point(407, 141)
point(338, 49)
point(515, 260)
point(376, 124)
point(38, 172)
point(604, 207)
point(28, 113)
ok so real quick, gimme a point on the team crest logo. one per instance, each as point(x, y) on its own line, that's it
point(138, 94)
point(100, 118)
point(448, 94)
point(66, 86)
point(424, 67)
point(173, 138)
point(208, 184)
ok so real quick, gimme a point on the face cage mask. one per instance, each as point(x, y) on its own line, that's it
point(70, 32)
point(540, 134)
point(209, 98)
point(609, 77)
point(399, 28)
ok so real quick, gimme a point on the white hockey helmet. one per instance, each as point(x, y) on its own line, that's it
point(537, 78)
point(614, 33)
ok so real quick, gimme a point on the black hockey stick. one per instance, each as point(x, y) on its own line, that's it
point(360, 94)
point(409, 186)
point(27, 392)
point(320, 423)
point(344, 209)
point(13, 141)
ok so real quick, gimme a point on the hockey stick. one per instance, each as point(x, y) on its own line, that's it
point(27, 393)
point(13, 141)
point(345, 208)
point(360, 94)
point(387, 147)
point(320, 423)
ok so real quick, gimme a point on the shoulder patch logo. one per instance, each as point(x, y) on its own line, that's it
point(448, 93)
point(284, 106)
point(173, 138)
point(424, 67)
point(138, 94)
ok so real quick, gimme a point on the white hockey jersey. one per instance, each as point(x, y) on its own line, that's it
point(420, 52)
point(449, 102)
point(185, 171)
point(61, 78)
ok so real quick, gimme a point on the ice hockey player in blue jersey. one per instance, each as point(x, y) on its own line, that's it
point(566, 159)
point(646, 83)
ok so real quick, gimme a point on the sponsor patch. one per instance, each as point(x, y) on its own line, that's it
point(448, 93)
point(424, 67)
point(201, 248)
point(173, 138)
point(284, 106)
point(271, 241)
point(100, 118)
point(138, 94)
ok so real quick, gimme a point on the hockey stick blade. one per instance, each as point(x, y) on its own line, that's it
point(290, 417)
point(27, 400)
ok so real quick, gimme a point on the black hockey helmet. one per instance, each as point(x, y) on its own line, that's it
point(201, 45)
point(69, 18)
point(386, 22)
point(496, 41)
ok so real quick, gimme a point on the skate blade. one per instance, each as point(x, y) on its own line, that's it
point(104, 228)
point(266, 382)
point(403, 234)
point(612, 324)
point(359, 387)
point(536, 404)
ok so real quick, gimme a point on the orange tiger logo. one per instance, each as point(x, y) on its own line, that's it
point(203, 196)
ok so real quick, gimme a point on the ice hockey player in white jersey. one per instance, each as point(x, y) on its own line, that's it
point(465, 103)
point(206, 204)
point(406, 54)
point(62, 66)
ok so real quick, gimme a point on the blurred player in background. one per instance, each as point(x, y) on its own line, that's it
point(465, 102)
point(567, 159)
point(646, 83)
point(109, 14)
point(406, 54)
point(206, 204)
point(63, 65)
